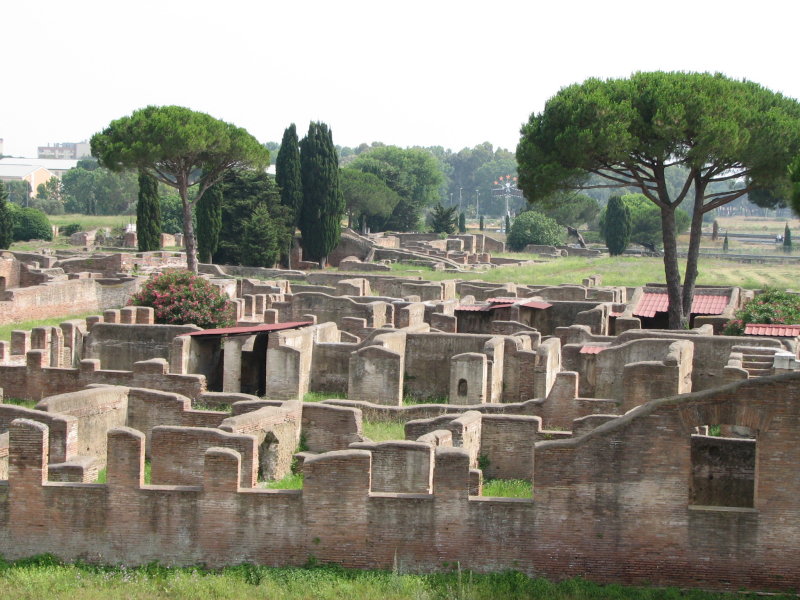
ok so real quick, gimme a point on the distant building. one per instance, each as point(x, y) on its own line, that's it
point(33, 174)
point(56, 167)
point(1, 147)
point(66, 150)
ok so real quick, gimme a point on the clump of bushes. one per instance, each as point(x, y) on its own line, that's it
point(534, 228)
point(68, 230)
point(29, 224)
point(181, 297)
point(771, 306)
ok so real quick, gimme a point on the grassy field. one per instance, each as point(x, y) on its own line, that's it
point(381, 432)
point(92, 221)
point(627, 271)
point(5, 330)
point(46, 577)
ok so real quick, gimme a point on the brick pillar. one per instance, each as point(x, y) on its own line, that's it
point(232, 364)
point(56, 347)
point(112, 316)
point(451, 485)
point(20, 342)
point(127, 315)
point(335, 495)
point(27, 519)
point(145, 315)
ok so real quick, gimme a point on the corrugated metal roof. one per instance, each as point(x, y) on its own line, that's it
point(773, 329)
point(250, 330)
point(502, 300)
point(702, 304)
point(592, 349)
point(473, 307)
point(536, 304)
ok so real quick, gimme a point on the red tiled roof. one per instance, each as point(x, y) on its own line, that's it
point(251, 329)
point(702, 304)
point(615, 314)
point(536, 304)
point(773, 329)
point(592, 349)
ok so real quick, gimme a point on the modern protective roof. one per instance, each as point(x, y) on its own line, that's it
point(592, 349)
point(702, 304)
point(772, 329)
point(519, 302)
point(51, 164)
point(16, 171)
point(250, 330)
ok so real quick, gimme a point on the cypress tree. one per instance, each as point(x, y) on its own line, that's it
point(617, 226)
point(287, 173)
point(148, 214)
point(209, 222)
point(323, 202)
point(725, 243)
point(6, 221)
point(481, 223)
point(462, 223)
point(787, 239)
point(508, 223)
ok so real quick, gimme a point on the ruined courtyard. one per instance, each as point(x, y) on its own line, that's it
point(655, 455)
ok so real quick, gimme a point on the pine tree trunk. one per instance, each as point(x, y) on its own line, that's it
point(671, 268)
point(189, 241)
point(695, 236)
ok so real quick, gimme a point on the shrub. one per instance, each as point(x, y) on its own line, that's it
point(181, 297)
point(68, 230)
point(771, 306)
point(30, 224)
point(534, 228)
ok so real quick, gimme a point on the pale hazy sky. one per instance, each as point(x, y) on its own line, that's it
point(448, 73)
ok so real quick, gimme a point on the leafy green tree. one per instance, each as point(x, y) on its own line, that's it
point(646, 220)
point(534, 228)
point(19, 192)
point(50, 197)
point(243, 192)
point(787, 239)
point(99, 191)
point(570, 209)
point(366, 196)
point(181, 148)
point(209, 222)
point(171, 211)
point(287, 172)
point(444, 220)
point(618, 226)
point(323, 204)
point(148, 214)
point(6, 220)
point(415, 174)
point(462, 223)
point(628, 132)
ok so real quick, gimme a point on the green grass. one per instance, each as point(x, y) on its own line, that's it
point(507, 488)
point(92, 221)
point(21, 402)
point(625, 271)
point(380, 432)
point(293, 481)
point(46, 577)
point(412, 401)
point(320, 396)
point(5, 330)
point(102, 474)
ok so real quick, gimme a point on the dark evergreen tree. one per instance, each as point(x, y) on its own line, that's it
point(480, 226)
point(508, 223)
point(725, 243)
point(287, 172)
point(617, 226)
point(240, 241)
point(148, 214)
point(6, 221)
point(209, 222)
point(323, 203)
point(462, 223)
point(787, 239)
point(443, 220)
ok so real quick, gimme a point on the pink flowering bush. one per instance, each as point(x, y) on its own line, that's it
point(181, 297)
point(771, 306)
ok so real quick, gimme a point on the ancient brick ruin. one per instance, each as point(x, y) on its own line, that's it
point(615, 421)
